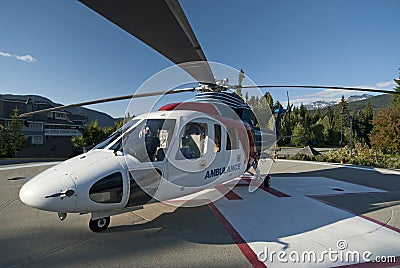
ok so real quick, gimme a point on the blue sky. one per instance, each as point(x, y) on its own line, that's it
point(66, 52)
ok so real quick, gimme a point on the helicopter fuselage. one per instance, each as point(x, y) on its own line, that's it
point(192, 151)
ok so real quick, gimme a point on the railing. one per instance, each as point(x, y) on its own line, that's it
point(62, 132)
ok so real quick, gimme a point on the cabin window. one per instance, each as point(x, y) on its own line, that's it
point(232, 139)
point(217, 138)
point(108, 189)
point(193, 141)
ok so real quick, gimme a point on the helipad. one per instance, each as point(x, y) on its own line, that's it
point(314, 215)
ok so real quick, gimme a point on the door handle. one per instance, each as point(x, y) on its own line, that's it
point(203, 163)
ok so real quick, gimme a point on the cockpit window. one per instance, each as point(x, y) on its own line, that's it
point(149, 140)
point(108, 189)
point(115, 135)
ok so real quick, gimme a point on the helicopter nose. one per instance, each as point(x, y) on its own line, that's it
point(52, 190)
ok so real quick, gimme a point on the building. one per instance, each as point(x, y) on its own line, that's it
point(41, 127)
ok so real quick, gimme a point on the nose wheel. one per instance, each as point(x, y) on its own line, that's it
point(99, 225)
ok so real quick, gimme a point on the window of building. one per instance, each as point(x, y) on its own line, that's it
point(108, 189)
point(35, 139)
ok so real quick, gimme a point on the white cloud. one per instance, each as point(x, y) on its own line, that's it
point(385, 84)
point(5, 54)
point(323, 95)
point(25, 58)
point(380, 85)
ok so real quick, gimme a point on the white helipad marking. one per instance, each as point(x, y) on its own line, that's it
point(8, 167)
point(300, 225)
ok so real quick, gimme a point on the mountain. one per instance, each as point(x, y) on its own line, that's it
point(320, 104)
point(103, 119)
point(377, 103)
point(358, 97)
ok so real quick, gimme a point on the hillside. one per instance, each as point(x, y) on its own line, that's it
point(377, 102)
point(104, 119)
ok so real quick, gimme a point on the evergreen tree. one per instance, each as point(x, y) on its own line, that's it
point(341, 118)
point(12, 138)
point(302, 111)
point(3, 141)
point(301, 136)
point(396, 97)
point(330, 115)
point(93, 134)
point(241, 77)
point(316, 116)
point(328, 133)
point(270, 100)
point(317, 131)
point(363, 123)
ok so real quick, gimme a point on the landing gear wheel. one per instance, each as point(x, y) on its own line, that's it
point(267, 181)
point(99, 225)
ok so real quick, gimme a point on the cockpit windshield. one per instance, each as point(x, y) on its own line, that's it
point(149, 140)
point(115, 135)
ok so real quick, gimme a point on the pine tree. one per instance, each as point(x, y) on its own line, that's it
point(341, 118)
point(396, 97)
point(3, 141)
point(270, 100)
point(328, 134)
point(363, 123)
point(241, 77)
point(301, 136)
point(330, 115)
point(14, 137)
point(316, 116)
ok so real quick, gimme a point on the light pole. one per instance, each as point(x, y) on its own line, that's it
point(341, 128)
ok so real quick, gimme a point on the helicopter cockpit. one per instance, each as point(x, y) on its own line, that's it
point(149, 140)
point(146, 140)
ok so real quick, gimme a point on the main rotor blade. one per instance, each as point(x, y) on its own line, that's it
point(162, 25)
point(327, 87)
point(157, 93)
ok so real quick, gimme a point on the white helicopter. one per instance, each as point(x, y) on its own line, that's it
point(145, 162)
point(181, 149)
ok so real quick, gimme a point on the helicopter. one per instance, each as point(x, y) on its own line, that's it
point(181, 149)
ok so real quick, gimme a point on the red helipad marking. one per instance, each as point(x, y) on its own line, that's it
point(274, 192)
point(246, 180)
point(227, 192)
point(383, 224)
point(240, 242)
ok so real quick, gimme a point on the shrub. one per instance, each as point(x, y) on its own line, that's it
point(361, 155)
